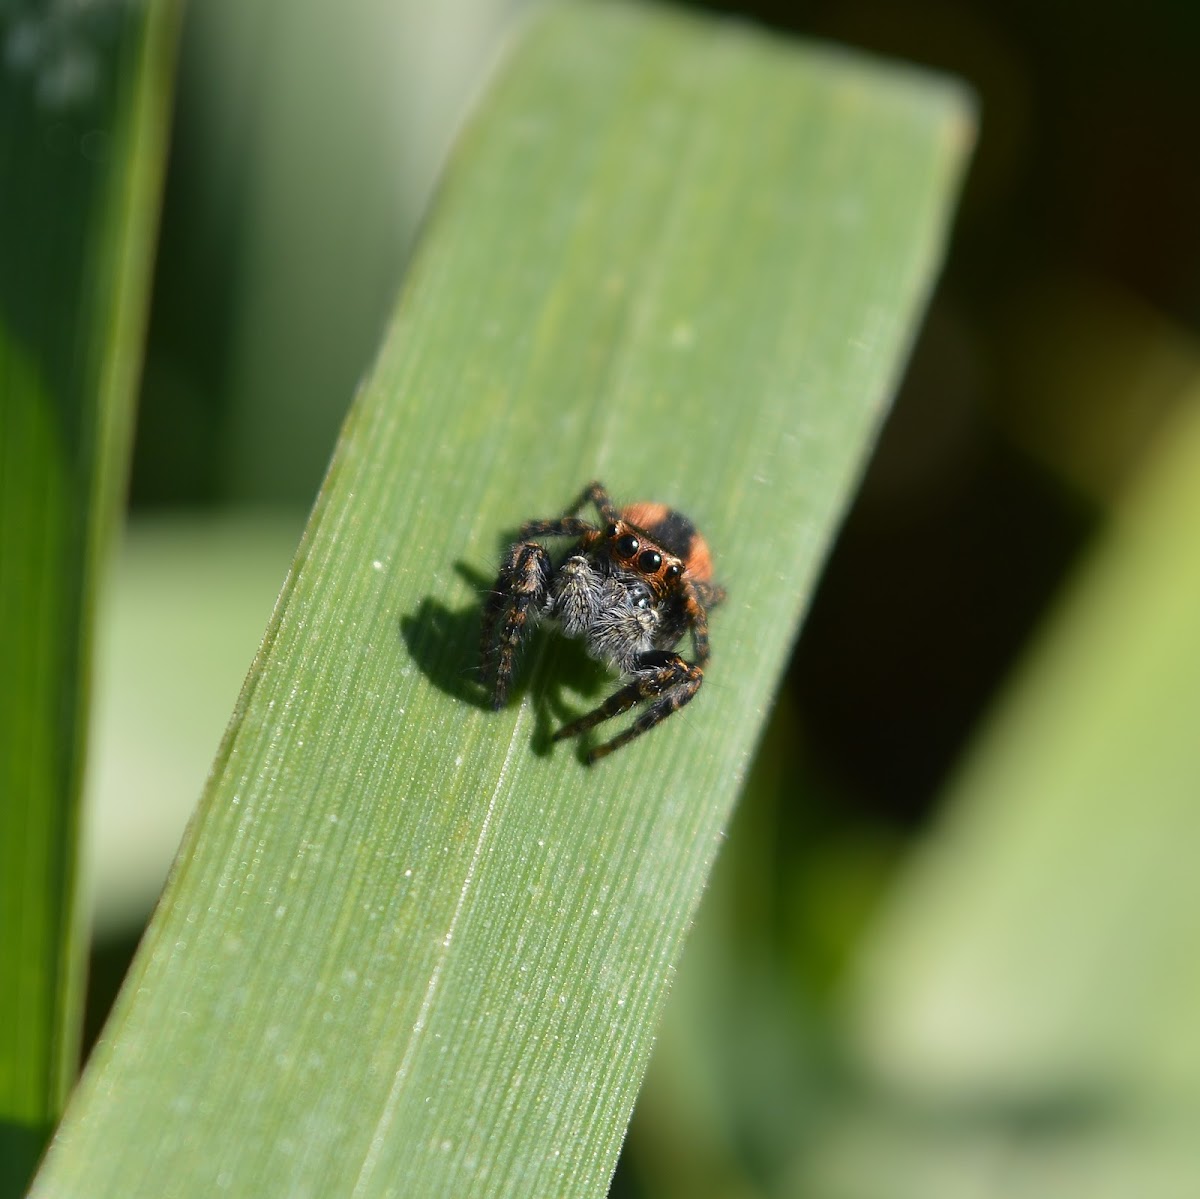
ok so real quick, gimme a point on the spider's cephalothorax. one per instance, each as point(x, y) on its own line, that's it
point(630, 587)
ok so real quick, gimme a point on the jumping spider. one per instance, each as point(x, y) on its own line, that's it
point(630, 587)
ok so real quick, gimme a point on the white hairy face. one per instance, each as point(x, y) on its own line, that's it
point(614, 615)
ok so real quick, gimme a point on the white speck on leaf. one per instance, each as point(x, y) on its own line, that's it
point(682, 335)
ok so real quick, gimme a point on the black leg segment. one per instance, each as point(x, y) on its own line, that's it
point(569, 524)
point(520, 591)
point(663, 678)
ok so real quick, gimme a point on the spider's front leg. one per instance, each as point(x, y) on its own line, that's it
point(665, 678)
point(520, 591)
point(570, 525)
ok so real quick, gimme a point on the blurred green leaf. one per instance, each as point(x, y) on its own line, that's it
point(84, 100)
point(408, 946)
point(1026, 1011)
point(183, 614)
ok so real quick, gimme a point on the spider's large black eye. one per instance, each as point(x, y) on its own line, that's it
point(627, 546)
point(673, 572)
point(650, 561)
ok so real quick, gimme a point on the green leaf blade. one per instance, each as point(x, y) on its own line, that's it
point(408, 947)
point(83, 110)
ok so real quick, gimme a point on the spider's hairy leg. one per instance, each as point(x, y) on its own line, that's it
point(596, 493)
point(697, 618)
point(564, 526)
point(570, 525)
point(662, 677)
point(709, 594)
point(520, 589)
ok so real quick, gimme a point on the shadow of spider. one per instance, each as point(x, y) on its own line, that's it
point(444, 644)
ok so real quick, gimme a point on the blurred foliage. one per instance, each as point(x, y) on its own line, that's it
point(1025, 1008)
point(307, 142)
point(189, 599)
point(84, 98)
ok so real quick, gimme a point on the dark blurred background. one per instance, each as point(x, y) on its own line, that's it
point(306, 144)
point(1062, 333)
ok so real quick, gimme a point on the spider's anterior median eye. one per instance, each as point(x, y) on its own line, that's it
point(627, 546)
point(650, 561)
